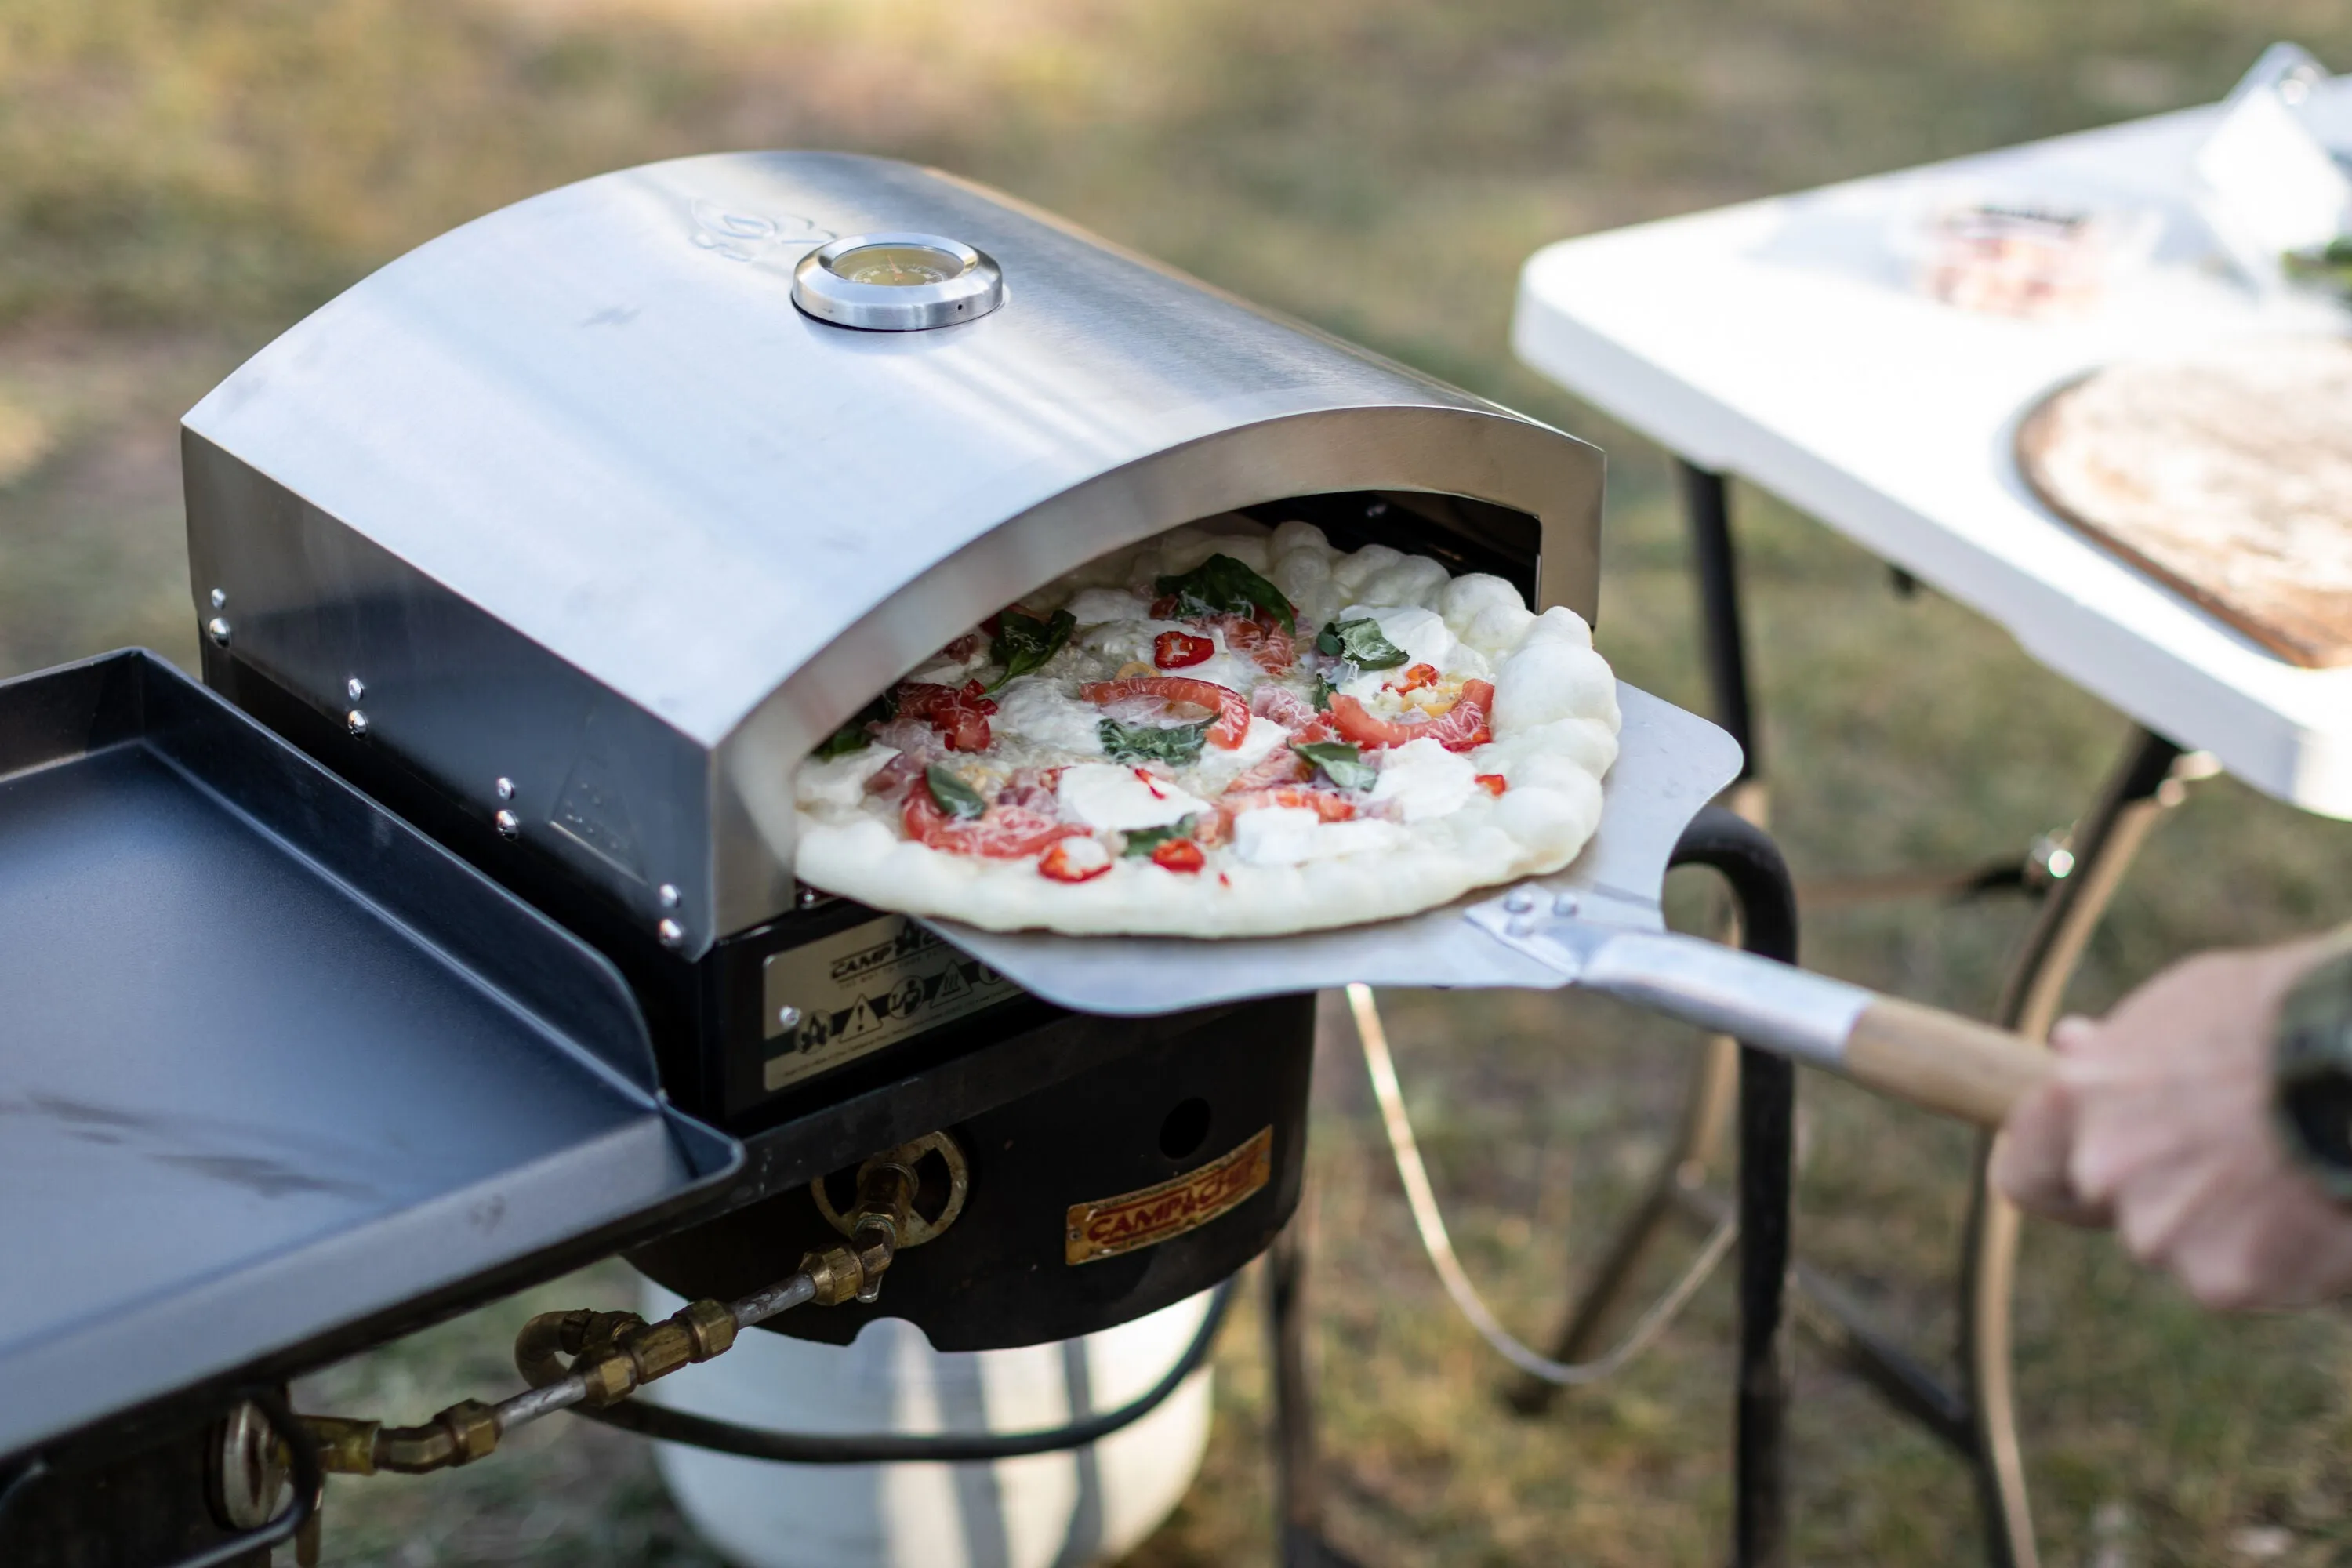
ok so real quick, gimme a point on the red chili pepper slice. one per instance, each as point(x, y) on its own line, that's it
point(1181, 651)
point(1178, 854)
point(1415, 678)
point(1492, 784)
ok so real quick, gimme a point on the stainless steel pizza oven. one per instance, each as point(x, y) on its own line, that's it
point(557, 543)
point(570, 533)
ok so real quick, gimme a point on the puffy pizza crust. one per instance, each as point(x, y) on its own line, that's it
point(1555, 722)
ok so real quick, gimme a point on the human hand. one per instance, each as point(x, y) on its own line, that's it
point(2159, 1121)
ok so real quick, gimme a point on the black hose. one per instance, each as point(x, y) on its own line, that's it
point(668, 1426)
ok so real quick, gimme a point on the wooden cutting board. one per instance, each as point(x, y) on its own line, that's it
point(2228, 475)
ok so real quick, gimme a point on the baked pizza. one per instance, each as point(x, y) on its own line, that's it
point(1225, 732)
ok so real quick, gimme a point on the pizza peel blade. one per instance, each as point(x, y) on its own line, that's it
point(1597, 924)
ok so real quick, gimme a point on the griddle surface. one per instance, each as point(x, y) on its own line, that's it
point(245, 1096)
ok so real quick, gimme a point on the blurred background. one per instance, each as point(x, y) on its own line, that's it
point(181, 179)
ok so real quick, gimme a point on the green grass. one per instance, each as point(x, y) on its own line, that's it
point(181, 178)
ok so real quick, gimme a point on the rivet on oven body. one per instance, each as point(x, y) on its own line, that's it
point(220, 598)
point(355, 688)
point(217, 629)
point(672, 934)
point(503, 789)
point(789, 1017)
point(509, 825)
point(356, 722)
point(666, 894)
point(1566, 904)
point(1520, 900)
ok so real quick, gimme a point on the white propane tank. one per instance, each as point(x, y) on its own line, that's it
point(1065, 1509)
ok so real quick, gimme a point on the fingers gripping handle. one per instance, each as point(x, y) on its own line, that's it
point(1938, 1062)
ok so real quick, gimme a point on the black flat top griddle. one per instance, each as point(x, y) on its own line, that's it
point(271, 1063)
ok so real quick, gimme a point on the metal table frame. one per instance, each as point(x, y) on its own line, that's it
point(1974, 1414)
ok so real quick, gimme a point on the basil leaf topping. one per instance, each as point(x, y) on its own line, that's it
point(1221, 585)
point(951, 794)
point(1361, 643)
point(1144, 840)
point(1323, 690)
point(1175, 744)
point(1342, 764)
point(1024, 643)
point(852, 736)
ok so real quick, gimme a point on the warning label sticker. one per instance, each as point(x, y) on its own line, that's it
point(833, 1001)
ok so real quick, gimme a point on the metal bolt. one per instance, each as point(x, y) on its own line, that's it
point(807, 898)
point(509, 825)
point(667, 894)
point(1520, 900)
point(355, 688)
point(788, 1016)
point(1521, 925)
point(670, 931)
point(220, 598)
point(1566, 904)
point(217, 629)
point(356, 722)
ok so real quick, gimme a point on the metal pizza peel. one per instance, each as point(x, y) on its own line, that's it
point(1597, 924)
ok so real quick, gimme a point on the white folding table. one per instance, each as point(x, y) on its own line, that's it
point(1782, 341)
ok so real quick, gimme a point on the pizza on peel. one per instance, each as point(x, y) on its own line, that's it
point(1225, 731)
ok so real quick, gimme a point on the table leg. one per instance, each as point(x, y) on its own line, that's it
point(1298, 1460)
point(2104, 844)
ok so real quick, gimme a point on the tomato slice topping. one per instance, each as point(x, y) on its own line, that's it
point(1462, 727)
point(1415, 678)
point(1005, 833)
point(1177, 855)
point(1233, 713)
point(1492, 784)
point(958, 713)
point(1181, 651)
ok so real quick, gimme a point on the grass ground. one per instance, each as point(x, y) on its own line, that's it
point(180, 179)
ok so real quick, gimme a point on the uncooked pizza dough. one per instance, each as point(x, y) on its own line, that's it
point(1223, 732)
point(2228, 474)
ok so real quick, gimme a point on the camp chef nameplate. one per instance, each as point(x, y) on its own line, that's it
point(1108, 1226)
point(865, 988)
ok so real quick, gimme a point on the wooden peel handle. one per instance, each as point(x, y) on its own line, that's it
point(1943, 1062)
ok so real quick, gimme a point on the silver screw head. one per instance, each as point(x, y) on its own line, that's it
point(671, 934)
point(355, 688)
point(1521, 925)
point(788, 1016)
point(667, 894)
point(504, 789)
point(220, 598)
point(217, 629)
point(1520, 900)
point(1566, 904)
point(356, 722)
point(509, 825)
point(806, 898)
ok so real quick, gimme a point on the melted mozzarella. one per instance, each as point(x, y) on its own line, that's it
point(1038, 712)
point(1108, 795)
point(1093, 606)
point(1422, 779)
point(1292, 835)
point(1421, 633)
point(839, 782)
